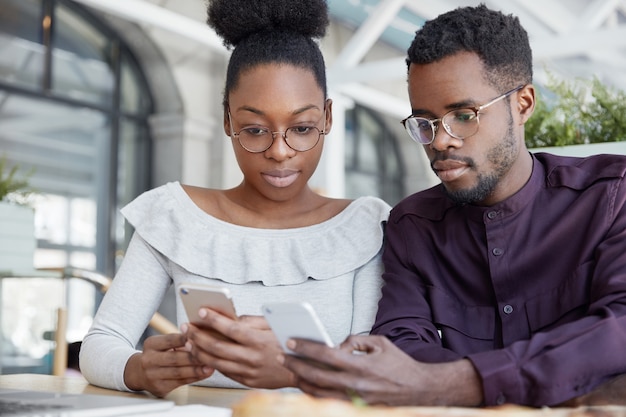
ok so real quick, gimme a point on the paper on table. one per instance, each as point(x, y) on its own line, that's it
point(191, 410)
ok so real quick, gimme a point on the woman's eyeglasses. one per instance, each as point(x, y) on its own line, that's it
point(258, 139)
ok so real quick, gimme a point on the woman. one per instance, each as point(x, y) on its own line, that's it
point(271, 238)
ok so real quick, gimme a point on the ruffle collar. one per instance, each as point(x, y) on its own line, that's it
point(169, 221)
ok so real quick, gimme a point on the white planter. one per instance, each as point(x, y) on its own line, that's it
point(618, 148)
point(17, 238)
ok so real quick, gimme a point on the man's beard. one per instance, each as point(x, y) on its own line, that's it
point(486, 185)
point(502, 156)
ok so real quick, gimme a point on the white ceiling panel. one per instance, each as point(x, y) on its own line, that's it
point(570, 38)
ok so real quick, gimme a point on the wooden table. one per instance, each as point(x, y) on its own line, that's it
point(216, 397)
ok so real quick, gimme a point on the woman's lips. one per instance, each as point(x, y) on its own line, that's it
point(281, 177)
point(449, 170)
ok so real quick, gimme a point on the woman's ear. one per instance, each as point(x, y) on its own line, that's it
point(227, 123)
point(329, 115)
point(526, 102)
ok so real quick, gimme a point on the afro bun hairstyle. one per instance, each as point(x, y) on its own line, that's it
point(270, 32)
point(234, 20)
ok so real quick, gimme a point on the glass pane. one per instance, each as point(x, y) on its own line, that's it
point(359, 184)
point(369, 133)
point(81, 306)
point(350, 141)
point(392, 190)
point(67, 150)
point(21, 19)
point(51, 220)
point(29, 311)
point(134, 98)
point(21, 51)
point(132, 179)
point(81, 68)
point(374, 167)
point(82, 223)
point(51, 257)
point(391, 160)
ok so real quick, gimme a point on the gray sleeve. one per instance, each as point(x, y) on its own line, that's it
point(121, 319)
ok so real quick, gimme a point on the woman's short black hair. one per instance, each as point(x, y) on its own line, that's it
point(498, 39)
point(270, 31)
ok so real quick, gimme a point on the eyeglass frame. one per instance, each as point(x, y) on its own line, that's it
point(273, 133)
point(434, 123)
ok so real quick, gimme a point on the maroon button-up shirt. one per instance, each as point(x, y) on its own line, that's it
point(532, 290)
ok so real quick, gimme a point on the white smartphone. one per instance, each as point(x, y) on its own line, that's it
point(291, 320)
point(196, 296)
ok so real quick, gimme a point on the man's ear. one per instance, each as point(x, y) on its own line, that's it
point(525, 102)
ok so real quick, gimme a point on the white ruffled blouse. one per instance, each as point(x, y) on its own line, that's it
point(334, 265)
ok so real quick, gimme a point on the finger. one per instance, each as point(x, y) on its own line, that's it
point(316, 391)
point(322, 382)
point(367, 344)
point(206, 339)
point(209, 350)
point(232, 329)
point(235, 365)
point(228, 367)
point(332, 357)
point(179, 374)
point(170, 358)
point(312, 373)
point(202, 330)
point(256, 322)
point(226, 355)
point(211, 319)
point(165, 342)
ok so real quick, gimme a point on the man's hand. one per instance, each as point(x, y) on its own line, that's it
point(611, 392)
point(245, 349)
point(374, 370)
point(163, 366)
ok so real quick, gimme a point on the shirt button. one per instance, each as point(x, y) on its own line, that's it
point(492, 215)
point(497, 251)
point(500, 399)
point(508, 309)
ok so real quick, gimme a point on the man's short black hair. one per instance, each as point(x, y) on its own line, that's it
point(498, 39)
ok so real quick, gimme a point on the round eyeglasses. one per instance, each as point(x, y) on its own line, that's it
point(257, 139)
point(458, 123)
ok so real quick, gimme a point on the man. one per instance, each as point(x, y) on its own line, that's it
point(506, 283)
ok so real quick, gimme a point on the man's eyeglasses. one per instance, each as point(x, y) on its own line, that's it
point(258, 139)
point(459, 123)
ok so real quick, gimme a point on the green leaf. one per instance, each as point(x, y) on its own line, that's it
point(576, 112)
point(13, 189)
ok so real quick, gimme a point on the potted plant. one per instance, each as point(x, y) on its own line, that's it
point(584, 113)
point(17, 221)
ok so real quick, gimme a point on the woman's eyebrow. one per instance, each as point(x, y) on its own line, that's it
point(262, 113)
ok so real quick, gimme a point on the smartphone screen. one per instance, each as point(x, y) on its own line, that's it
point(295, 320)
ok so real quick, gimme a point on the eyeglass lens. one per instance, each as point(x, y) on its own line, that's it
point(459, 123)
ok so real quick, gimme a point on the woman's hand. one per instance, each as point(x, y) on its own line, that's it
point(163, 366)
point(245, 349)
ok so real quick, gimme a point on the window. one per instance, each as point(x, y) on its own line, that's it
point(66, 118)
point(74, 107)
point(373, 162)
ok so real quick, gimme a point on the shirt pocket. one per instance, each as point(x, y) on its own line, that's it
point(563, 304)
point(464, 329)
